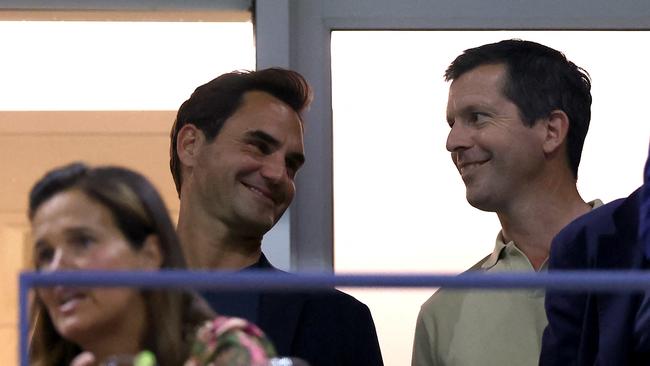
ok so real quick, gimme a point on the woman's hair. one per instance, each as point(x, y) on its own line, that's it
point(138, 211)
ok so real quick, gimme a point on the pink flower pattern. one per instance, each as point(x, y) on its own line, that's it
point(229, 341)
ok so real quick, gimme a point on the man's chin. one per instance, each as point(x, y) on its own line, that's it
point(254, 219)
point(480, 202)
point(258, 225)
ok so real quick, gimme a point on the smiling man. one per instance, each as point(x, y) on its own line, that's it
point(236, 147)
point(518, 114)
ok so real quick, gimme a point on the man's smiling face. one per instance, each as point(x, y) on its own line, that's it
point(497, 155)
point(245, 176)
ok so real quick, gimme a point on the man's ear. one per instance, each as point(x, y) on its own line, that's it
point(151, 256)
point(188, 142)
point(556, 131)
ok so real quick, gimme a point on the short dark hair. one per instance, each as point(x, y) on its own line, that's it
point(138, 211)
point(538, 80)
point(213, 103)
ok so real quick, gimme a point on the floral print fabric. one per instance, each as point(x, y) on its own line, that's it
point(229, 341)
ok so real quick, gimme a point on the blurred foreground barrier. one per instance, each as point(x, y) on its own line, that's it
point(576, 281)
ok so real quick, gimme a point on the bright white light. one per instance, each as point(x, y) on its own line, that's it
point(79, 65)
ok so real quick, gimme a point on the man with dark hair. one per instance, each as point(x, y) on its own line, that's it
point(601, 328)
point(236, 147)
point(518, 114)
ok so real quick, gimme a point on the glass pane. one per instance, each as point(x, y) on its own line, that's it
point(127, 65)
point(399, 203)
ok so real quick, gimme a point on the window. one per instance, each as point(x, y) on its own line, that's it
point(399, 203)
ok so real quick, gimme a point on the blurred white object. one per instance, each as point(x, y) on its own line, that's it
point(287, 361)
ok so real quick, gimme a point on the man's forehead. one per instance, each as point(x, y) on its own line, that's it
point(479, 82)
point(258, 98)
point(260, 102)
point(486, 74)
point(262, 116)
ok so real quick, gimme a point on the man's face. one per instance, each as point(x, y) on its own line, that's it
point(244, 178)
point(498, 157)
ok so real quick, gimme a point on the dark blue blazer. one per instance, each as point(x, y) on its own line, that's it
point(596, 328)
point(325, 328)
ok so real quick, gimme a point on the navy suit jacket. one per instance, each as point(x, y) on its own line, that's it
point(596, 328)
point(325, 328)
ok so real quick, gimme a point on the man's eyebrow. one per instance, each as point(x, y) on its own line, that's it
point(466, 110)
point(261, 135)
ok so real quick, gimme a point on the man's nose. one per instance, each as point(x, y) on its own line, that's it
point(458, 138)
point(274, 168)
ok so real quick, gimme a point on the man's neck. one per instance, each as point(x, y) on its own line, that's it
point(533, 222)
point(210, 244)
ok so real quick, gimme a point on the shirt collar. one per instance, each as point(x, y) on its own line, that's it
point(500, 245)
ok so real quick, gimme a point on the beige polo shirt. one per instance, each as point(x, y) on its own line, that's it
point(484, 327)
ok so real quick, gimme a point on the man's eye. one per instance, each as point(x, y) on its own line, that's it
point(477, 117)
point(262, 147)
